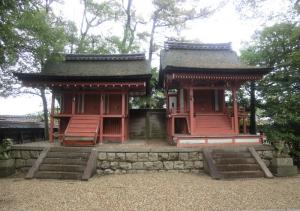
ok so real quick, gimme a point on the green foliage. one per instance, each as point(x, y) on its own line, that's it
point(278, 46)
point(5, 147)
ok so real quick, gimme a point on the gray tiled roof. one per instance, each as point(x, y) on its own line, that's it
point(198, 55)
point(99, 65)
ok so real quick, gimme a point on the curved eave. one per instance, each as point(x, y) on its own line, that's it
point(37, 78)
point(226, 71)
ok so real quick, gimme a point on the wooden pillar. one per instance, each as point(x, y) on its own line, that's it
point(101, 118)
point(244, 125)
point(123, 118)
point(235, 110)
point(51, 138)
point(191, 110)
point(73, 103)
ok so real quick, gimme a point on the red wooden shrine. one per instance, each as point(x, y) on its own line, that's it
point(90, 95)
point(196, 78)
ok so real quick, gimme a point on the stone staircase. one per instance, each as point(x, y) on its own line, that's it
point(230, 164)
point(64, 163)
point(207, 124)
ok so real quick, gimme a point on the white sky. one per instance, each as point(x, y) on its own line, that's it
point(225, 25)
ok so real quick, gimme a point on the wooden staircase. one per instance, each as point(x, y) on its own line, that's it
point(82, 130)
point(64, 163)
point(217, 124)
point(230, 164)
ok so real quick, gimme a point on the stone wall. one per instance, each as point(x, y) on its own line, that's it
point(139, 162)
point(135, 161)
point(25, 157)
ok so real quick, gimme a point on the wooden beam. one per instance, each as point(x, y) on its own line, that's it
point(101, 118)
point(73, 103)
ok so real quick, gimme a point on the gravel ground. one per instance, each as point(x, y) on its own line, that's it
point(153, 191)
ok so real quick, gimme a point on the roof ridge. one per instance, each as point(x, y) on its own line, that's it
point(197, 46)
point(105, 57)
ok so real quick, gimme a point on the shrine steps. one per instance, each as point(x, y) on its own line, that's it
point(207, 124)
point(82, 130)
point(64, 163)
point(230, 164)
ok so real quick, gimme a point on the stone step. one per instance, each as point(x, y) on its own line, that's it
point(62, 168)
point(234, 161)
point(58, 175)
point(242, 174)
point(238, 167)
point(65, 154)
point(231, 155)
point(65, 161)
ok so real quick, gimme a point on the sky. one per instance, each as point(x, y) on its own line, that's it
point(226, 25)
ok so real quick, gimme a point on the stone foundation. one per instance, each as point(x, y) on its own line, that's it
point(112, 161)
point(136, 162)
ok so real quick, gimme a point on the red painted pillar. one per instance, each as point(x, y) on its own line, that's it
point(123, 118)
point(73, 103)
point(235, 110)
point(101, 118)
point(191, 110)
point(51, 138)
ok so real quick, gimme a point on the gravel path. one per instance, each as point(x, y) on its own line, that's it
point(155, 191)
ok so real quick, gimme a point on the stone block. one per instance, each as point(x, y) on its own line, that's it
point(137, 165)
point(34, 154)
point(120, 156)
point(148, 165)
point(105, 164)
point(125, 165)
point(158, 165)
point(111, 156)
point(20, 163)
point(131, 171)
point(173, 156)
point(282, 162)
point(153, 156)
point(102, 156)
point(267, 155)
point(16, 154)
point(143, 156)
point(131, 156)
point(179, 165)
point(25, 154)
point(198, 164)
point(163, 156)
point(114, 165)
point(183, 156)
point(188, 164)
point(168, 165)
point(284, 171)
point(194, 156)
point(108, 171)
point(100, 172)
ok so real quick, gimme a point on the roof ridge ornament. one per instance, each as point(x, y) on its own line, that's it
point(197, 46)
point(105, 57)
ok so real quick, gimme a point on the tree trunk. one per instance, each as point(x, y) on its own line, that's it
point(252, 108)
point(152, 40)
point(45, 113)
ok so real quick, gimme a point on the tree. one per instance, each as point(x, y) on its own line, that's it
point(278, 46)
